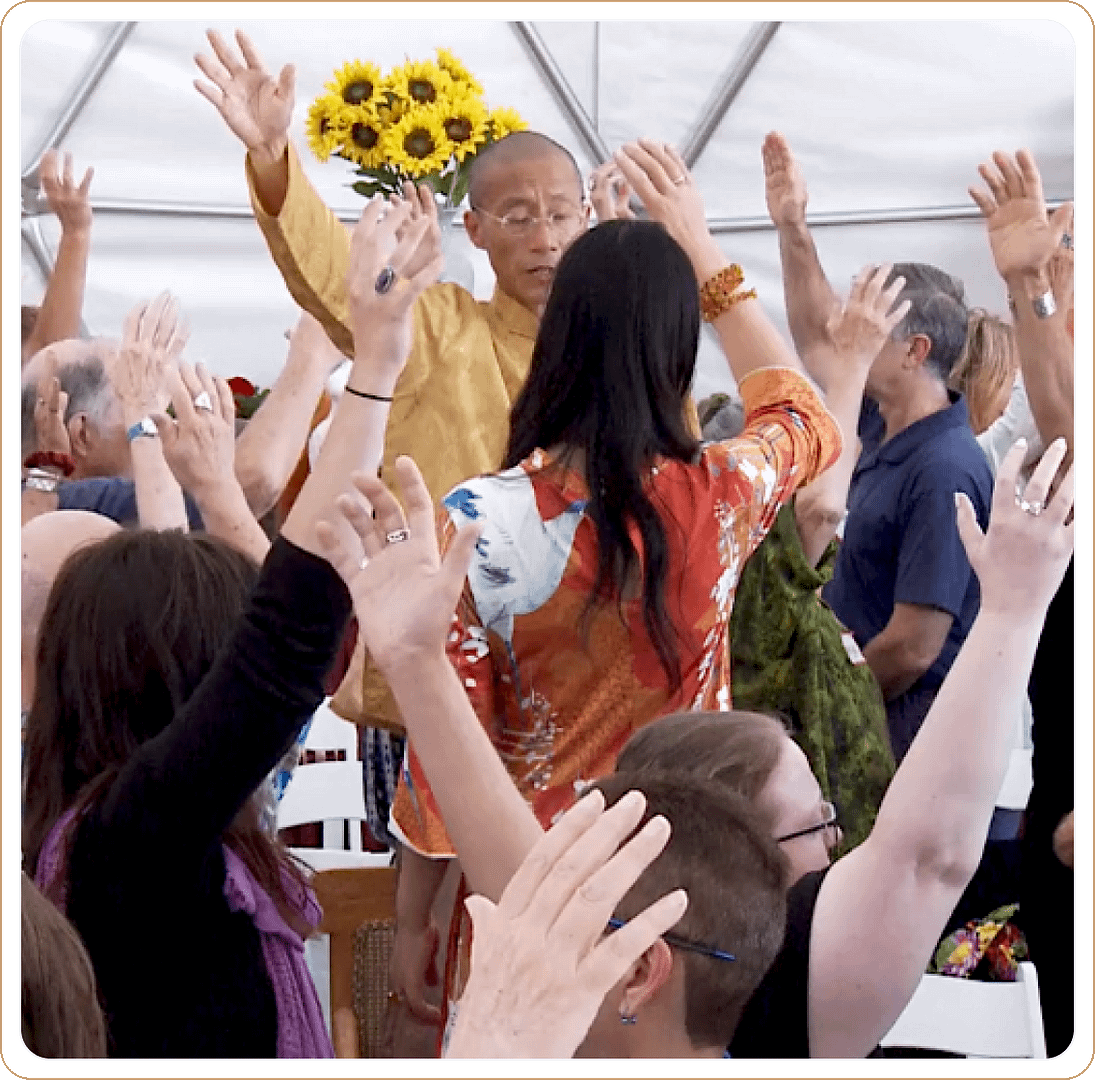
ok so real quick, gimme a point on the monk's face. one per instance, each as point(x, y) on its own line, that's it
point(528, 213)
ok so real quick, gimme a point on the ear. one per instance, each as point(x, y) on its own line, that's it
point(648, 975)
point(80, 434)
point(919, 347)
point(474, 228)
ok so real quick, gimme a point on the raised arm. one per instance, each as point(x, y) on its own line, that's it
point(152, 339)
point(405, 596)
point(59, 313)
point(856, 332)
point(309, 244)
point(660, 178)
point(1024, 239)
point(198, 445)
point(809, 297)
point(269, 447)
point(883, 906)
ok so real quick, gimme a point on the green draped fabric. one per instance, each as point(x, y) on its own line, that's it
point(788, 658)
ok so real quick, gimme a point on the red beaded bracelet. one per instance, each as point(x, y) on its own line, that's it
point(51, 459)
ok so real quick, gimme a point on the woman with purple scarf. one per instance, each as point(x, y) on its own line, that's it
point(172, 676)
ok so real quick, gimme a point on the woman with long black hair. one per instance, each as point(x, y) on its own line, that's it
point(611, 545)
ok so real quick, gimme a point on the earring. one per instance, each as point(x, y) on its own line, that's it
point(625, 1019)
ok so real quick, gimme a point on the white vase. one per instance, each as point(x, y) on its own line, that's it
point(454, 244)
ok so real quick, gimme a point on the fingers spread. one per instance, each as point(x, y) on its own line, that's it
point(416, 497)
point(358, 514)
point(611, 959)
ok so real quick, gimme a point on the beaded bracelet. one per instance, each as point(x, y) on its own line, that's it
point(719, 292)
point(53, 459)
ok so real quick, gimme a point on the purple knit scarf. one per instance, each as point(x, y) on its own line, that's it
point(301, 1030)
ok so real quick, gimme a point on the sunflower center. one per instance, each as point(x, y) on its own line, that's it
point(419, 143)
point(422, 90)
point(324, 126)
point(458, 129)
point(364, 136)
point(356, 92)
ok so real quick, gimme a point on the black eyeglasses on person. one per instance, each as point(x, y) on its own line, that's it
point(681, 943)
point(830, 822)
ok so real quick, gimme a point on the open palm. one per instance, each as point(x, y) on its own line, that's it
point(254, 105)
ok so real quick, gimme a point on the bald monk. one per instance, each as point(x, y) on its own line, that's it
point(470, 359)
point(47, 542)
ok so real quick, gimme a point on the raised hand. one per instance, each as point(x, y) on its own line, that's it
point(1023, 237)
point(50, 432)
point(1022, 557)
point(385, 242)
point(860, 327)
point(610, 193)
point(784, 185)
point(68, 201)
point(199, 444)
point(153, 336)
point(660, 178)
point(541, 962)
point(257, 108)
point(422, 204)
point(404, 593)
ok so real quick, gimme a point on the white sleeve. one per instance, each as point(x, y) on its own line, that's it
point(1016, 422)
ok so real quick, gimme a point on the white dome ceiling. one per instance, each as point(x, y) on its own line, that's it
point(888, 118)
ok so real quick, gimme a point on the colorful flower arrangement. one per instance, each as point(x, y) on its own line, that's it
point(989, 949)
point(424, 121)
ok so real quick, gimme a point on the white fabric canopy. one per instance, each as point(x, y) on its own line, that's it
point(888, 118)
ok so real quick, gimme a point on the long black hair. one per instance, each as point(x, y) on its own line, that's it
point(610, 376)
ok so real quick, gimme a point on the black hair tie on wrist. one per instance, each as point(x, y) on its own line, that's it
point(370, 397)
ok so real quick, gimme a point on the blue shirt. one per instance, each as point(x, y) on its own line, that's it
point(901, 542)
point(113, 497)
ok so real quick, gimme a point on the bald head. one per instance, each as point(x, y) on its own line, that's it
point(516, 149)
point(49, 539)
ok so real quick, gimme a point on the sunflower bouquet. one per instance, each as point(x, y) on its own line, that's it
point(424, 121)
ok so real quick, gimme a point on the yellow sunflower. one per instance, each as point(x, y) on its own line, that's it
point(420, 82)
point(418, 145)
point(390, 107)
point(459, 74)
point(322, 137)
point(465, 122)
point(358, 130)
point(504, 121)
point(356, 82)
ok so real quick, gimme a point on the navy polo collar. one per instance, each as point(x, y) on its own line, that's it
point(907, 442)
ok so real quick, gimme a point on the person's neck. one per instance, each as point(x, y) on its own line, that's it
point(904, 406)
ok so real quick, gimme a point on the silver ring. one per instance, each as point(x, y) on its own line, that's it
point(364, 562)
point(1066, 240)
point(384, 281)
point(681, 180)
point(1033, 508)
point(398, 536)
point(203, 402)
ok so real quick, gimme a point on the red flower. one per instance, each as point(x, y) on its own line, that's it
point(241, 386)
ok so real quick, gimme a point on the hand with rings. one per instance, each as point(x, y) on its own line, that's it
point(199, 444)
point(404, 593)
point(1022, 556)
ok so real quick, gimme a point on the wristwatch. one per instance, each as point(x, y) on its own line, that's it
point(41, 480)
point(142, 429)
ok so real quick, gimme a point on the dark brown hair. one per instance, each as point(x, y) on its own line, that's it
point(132, 626)
point(61, 1013)
point(736, 880)
point(738, 750)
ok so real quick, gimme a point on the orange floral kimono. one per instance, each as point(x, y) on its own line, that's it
point(559, 705)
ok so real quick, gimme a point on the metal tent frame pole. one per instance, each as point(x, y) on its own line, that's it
point(727, 90)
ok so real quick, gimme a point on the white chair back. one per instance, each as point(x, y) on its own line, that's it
point(1015, 790)
point(976, 1019)
point(331, 792)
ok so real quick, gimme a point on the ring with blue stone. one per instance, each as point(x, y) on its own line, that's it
point(384, 281)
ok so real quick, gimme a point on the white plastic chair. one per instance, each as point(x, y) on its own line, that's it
point(976, 1019)
point(1015, 790)
point(330, 792)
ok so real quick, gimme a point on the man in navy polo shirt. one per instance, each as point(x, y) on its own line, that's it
point(902, 583)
